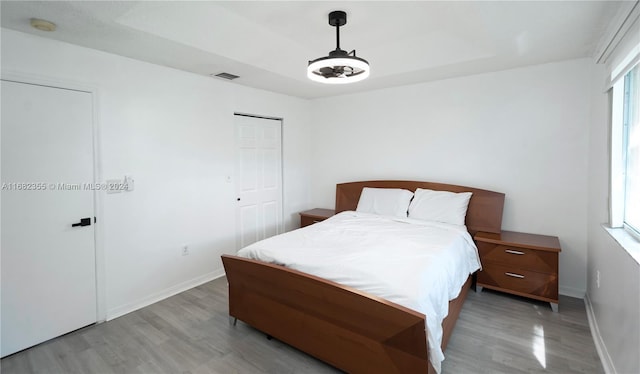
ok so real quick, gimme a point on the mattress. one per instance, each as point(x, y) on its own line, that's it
point(418, 264)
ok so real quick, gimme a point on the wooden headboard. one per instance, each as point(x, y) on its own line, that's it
point(484, 212)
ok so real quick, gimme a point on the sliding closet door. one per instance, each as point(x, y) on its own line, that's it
point(258, 178)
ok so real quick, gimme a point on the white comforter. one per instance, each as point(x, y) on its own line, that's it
point(418, 264)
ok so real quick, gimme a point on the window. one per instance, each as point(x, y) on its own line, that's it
point(631, 149)
point(625, 177)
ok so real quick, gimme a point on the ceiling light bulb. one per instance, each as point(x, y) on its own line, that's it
point(359, 67)
point(42, 25)
point(340, 66)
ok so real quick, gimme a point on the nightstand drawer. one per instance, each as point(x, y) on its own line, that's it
point(306, 220)
point(520, 258)
point(309, 217)
point(521, 281)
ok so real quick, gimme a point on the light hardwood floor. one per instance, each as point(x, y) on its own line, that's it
point(190, 333)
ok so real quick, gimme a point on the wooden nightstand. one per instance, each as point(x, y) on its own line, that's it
point(520, 264)
point(309, 217)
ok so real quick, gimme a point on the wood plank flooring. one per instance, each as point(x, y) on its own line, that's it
point(189, 333)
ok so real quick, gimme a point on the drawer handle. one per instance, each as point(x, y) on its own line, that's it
point(514, 275)
point(511, 251)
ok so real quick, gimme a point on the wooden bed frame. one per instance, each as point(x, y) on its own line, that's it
point(349, 329)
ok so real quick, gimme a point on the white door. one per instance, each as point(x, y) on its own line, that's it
point(258, 178)
point(48, 265)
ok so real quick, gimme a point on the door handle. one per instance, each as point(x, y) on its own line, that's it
point(83, 222)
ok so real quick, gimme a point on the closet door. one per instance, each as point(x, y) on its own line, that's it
point(258, 178)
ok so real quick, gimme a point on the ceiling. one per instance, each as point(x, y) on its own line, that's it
point(268, 43)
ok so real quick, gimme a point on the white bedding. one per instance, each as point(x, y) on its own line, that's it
point(418, 264)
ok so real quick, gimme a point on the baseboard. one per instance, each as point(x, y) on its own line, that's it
point(573, 292)
point(607, 363)
point(154, 298)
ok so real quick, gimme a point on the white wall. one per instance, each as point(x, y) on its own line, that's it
point(173, 131)
point(616, 303)
point(523, 132)
point(528, 132)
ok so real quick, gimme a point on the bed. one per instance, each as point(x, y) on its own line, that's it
point(346, 327)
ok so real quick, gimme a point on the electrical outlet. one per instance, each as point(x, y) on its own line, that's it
point(598, 278)
point(185, 250)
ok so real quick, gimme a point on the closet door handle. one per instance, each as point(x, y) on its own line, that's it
point(511, 251)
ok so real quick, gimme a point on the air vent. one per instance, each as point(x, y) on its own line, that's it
point(226, 76)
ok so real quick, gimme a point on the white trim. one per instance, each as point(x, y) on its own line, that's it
point(42, 80)
point(628, 63)
point(100, 263)
point(616, 176)
point(632, 231)
point(605, 358)
point(617, 29)
point(168, 292)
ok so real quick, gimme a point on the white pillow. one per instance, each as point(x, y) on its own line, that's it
point(440, 206)
point(385, 201)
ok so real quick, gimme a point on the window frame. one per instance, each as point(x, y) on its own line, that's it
point(619, 148)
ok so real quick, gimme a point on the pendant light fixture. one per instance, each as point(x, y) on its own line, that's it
point(340, 66)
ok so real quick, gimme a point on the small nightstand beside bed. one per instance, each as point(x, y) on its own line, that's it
point(521, 264)
point(354, 289)
point(316, 215)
